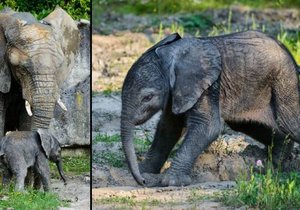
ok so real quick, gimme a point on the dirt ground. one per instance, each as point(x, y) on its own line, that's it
point(76, 192)
point(215, 170)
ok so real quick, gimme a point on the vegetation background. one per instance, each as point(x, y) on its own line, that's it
point(78, 9)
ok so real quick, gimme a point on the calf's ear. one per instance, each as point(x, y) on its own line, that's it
point(193, 65)
point(46, 141)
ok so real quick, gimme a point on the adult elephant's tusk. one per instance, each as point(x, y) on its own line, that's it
point(28, 108)
point(61, 104)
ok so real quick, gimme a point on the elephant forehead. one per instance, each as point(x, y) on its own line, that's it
point(34, 33)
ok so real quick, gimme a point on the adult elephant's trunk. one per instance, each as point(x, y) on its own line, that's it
point(60, 170)
point(43, 103)
point(128, 147)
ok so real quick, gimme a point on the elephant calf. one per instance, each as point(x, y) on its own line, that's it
point(23, 150)
point(248, 79)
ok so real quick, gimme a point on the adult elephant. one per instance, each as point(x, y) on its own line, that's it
point(248, 79)
point(35, 59)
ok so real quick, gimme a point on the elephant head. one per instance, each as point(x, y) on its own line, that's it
point(166, 74)
point(52, 150)
point(38, 56)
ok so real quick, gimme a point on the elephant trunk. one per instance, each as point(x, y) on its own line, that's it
point(128, 147)
point(60, 170)
point(43, 102)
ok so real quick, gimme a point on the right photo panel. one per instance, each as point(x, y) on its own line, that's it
point(195, 104)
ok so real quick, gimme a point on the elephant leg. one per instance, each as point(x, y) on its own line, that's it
point(29, 177)
point(2, 115)
point(20, 179)
point(167, 134)
point(287, 107)
point(203, 127)
point(43, 171)
point(281, 146)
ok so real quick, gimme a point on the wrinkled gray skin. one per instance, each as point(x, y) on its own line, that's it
point(24, 150)
point(247, 78)
point(35, 59)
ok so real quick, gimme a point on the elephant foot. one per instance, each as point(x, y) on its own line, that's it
point(176, 180)
point(148, 167)
point(152, 180)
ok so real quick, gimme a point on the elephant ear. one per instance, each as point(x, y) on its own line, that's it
point(46, 141)
point(169, 39)
point(193, 65)
point(5, 76)
point(68, 35)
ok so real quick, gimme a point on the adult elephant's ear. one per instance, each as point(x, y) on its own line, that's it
point(67, 35)
point(5, 77)
point(46, 141)
point(193, 65)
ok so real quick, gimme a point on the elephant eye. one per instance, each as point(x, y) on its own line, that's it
point(147, 98)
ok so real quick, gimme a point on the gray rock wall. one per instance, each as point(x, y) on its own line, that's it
point(72, 127)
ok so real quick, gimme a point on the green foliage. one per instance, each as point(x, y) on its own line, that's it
point(117, 159)
point(292, 43)
point(110, 158)
point(171, 6)
point(106, 138)
point(270, 191)
point(72, 165)
point(78, 9)
point(31, 200)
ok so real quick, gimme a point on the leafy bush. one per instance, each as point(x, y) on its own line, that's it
point(78, 9)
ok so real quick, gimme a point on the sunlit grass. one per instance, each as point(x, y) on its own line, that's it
point(29, 200)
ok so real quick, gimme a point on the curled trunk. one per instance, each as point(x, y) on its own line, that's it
point(128, 147)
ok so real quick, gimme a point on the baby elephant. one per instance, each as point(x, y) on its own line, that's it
point(23, 150)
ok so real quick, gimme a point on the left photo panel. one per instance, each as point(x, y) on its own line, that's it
point(45, 104)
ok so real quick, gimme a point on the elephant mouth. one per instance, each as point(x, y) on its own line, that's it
point(59, 102)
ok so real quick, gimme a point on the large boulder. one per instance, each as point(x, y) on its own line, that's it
point(72, 127)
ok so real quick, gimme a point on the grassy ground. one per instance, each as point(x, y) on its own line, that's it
point(32, 199)
point(116, 159)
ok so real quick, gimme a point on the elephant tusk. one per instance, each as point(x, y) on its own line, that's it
point(28, 108)
point(61, 104)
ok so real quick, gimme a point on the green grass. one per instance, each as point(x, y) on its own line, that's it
point(117, 159)
point(72, 165)
point(29, 200)
point(270, 191)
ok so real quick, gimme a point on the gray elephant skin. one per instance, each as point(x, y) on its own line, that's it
point(35, 59)
point(248, 79)
point(21, 151)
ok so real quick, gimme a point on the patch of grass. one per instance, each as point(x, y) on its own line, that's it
point(107, 138)
point(117, 159)
point(270, 191)
point(109, 158)
point(72, 165)
point(30, 200)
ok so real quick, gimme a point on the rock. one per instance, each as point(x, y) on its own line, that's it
point(72, 127)
point(106, 115)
